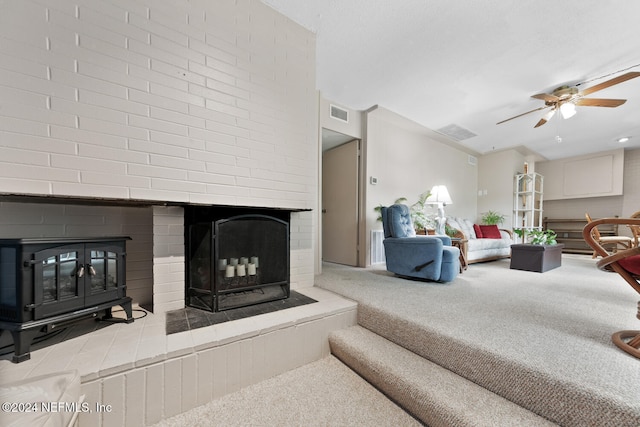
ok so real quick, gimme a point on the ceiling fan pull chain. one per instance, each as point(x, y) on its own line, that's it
point(558, 137)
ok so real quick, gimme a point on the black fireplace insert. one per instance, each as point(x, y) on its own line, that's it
point(236, 258)
point(47, 282)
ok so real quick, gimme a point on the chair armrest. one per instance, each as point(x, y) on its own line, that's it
point(446, 240)
point(415, 256)
point(509, 232)
point(420, 240)
point(459, 234)
point(587, 232)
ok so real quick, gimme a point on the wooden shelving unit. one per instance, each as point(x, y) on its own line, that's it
point(569, 231)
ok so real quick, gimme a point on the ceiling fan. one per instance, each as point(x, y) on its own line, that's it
point(566, 98)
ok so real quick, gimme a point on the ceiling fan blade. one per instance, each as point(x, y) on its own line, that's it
point(594, 102)
point(546, 97)
point(608, 83)
point(520, 115)
point(545, 118)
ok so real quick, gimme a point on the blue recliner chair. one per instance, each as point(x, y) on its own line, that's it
point(418, 257)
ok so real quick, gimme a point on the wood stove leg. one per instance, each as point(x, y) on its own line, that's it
point(125, 303)
point(126, 306)
point(22, 344)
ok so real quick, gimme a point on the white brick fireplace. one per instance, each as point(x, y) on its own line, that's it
point(114, 114)
point(145, 106)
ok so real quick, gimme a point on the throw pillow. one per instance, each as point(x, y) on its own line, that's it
point(478, 231)
point(490, 232)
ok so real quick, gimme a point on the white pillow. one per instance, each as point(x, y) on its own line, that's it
point(463, 225)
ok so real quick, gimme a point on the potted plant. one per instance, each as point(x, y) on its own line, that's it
point(540, 253)
point(450, 231)
point(421, 221)
point(537, 237)
point(492, 218)
point(378, 208)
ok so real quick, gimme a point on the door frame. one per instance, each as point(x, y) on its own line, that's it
point(361, 221)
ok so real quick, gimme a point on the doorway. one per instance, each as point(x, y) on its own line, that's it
point(340, 199)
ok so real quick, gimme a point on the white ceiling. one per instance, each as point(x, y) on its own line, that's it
point(475, 63)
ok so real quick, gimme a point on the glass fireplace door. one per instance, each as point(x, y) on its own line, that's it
point(252, 260)
point(59, 282)
point(237, 261)
point(200, 275)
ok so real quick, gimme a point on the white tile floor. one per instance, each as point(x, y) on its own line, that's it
point(97, 349)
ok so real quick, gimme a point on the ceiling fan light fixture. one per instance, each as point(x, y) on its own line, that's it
point(549, 114)
point(566, 97)
point(568, 110)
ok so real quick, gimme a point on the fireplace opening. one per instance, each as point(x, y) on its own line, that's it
point(236, 257)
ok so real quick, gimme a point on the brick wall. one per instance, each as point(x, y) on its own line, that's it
point(207, 102)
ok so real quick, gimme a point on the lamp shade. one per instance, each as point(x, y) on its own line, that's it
point(439, 194)
point(568, 109)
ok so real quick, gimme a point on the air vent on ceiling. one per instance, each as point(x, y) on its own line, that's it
point(456, 132)
point(339, 113)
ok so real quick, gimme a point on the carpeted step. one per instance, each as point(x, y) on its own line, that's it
point(432, 394)
point(534, 388)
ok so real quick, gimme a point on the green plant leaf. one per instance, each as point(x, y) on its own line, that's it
point(492, 218)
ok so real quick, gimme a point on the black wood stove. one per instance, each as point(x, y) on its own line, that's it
point(48, 282)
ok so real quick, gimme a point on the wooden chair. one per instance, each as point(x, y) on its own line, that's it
point(614, 242)
point(627, 264)
point(635, 230)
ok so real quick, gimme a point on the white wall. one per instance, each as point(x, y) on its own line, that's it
point(631, 199)
point(408, 160)
point(495, 178)
point(352, 128)
point(606, 206)
point(598, 174)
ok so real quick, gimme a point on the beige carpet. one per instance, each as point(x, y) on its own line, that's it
point(558, 322)
point(541, 340)
point(323, 393)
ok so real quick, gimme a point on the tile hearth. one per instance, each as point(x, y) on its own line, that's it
point(147, 374)
point(190, 318)
point(103, 349)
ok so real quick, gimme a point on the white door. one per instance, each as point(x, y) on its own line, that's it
point(340, 204)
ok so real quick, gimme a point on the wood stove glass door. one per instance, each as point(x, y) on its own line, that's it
point(58, 280)
point(104, 265)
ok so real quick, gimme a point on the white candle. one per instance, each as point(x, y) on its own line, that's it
point(241, 270)
point(222, 264)
point(251, 269)
point(233, 261)
point(244, 260)
point(229, 272)
point(254, 260)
